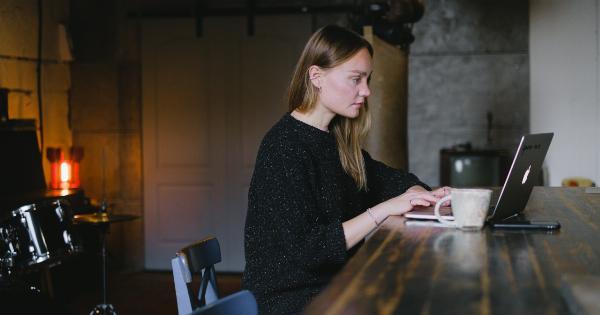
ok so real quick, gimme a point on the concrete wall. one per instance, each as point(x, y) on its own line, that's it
point(469, 57)
point(106, 117)
point(18, 61)
point(564, 84)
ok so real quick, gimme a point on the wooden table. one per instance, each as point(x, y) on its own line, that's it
point(407, 269)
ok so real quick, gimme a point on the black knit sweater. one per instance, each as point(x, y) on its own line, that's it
point(298, 198)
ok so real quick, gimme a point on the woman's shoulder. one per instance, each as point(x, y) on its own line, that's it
point(367, 157)
point(281, 140)
point(281, 130)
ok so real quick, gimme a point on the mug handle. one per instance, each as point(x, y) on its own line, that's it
point(437, 211)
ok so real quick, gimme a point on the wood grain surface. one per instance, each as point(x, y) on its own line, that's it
point(408, 269)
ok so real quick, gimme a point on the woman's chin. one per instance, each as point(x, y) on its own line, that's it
point(351, 113)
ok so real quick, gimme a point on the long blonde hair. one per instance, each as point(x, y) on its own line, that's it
point(328, 47)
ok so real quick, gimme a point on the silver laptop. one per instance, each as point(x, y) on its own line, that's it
point(518, 185)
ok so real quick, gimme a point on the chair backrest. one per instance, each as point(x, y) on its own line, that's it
point(239, 303)
point(180, 274)
point(198, 258)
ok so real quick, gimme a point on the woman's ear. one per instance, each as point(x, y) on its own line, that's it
point(314, 75)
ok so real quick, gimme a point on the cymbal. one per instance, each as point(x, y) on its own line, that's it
point(102, 218)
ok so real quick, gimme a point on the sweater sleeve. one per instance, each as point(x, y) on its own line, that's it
point(284, 215)
point(385, 182)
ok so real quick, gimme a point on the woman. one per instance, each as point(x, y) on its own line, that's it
point(315, 194)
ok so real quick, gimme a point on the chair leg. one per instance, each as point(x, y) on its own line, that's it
point(208, 292)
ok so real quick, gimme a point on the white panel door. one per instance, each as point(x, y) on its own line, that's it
point(207, 102)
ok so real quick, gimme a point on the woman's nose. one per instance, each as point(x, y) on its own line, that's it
point(364, 90)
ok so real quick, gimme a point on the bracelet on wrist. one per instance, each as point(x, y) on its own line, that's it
point(373, 216)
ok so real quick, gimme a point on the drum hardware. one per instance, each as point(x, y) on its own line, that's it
point(102, 220)
point(59, 211)
point(7, 254)
point(69, 241)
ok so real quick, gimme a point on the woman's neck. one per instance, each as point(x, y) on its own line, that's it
point(316, 118)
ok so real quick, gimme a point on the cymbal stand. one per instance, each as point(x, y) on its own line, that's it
point(104, 308)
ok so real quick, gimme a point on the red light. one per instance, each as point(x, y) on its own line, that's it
point(64, 174)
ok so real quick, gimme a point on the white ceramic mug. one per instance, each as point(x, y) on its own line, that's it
point(469, 207)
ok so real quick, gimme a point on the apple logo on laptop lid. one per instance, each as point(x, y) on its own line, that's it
point(526, 175)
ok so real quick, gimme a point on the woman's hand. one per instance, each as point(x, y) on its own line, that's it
point(406, 202)
point(356, 228)
point(441, 193)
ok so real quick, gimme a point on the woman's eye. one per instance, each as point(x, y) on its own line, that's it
point(355, 80)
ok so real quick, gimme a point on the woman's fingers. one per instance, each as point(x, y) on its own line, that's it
point(428, 197)
point(424, 199)
point(410, 200)
point(420, 202)
point(442, 191)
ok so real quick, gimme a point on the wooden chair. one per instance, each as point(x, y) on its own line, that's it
point(239, 303)
point(196, 259)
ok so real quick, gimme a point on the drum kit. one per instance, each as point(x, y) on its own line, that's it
point(36, 235)
point(38, 225)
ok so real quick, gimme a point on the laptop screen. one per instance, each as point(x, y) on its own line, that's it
point(522, 176)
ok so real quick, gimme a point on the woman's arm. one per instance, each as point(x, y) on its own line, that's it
point(395, 191)
point(386, 182)
point(358, 227)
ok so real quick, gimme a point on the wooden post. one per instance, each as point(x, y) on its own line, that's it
point(388, 103)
